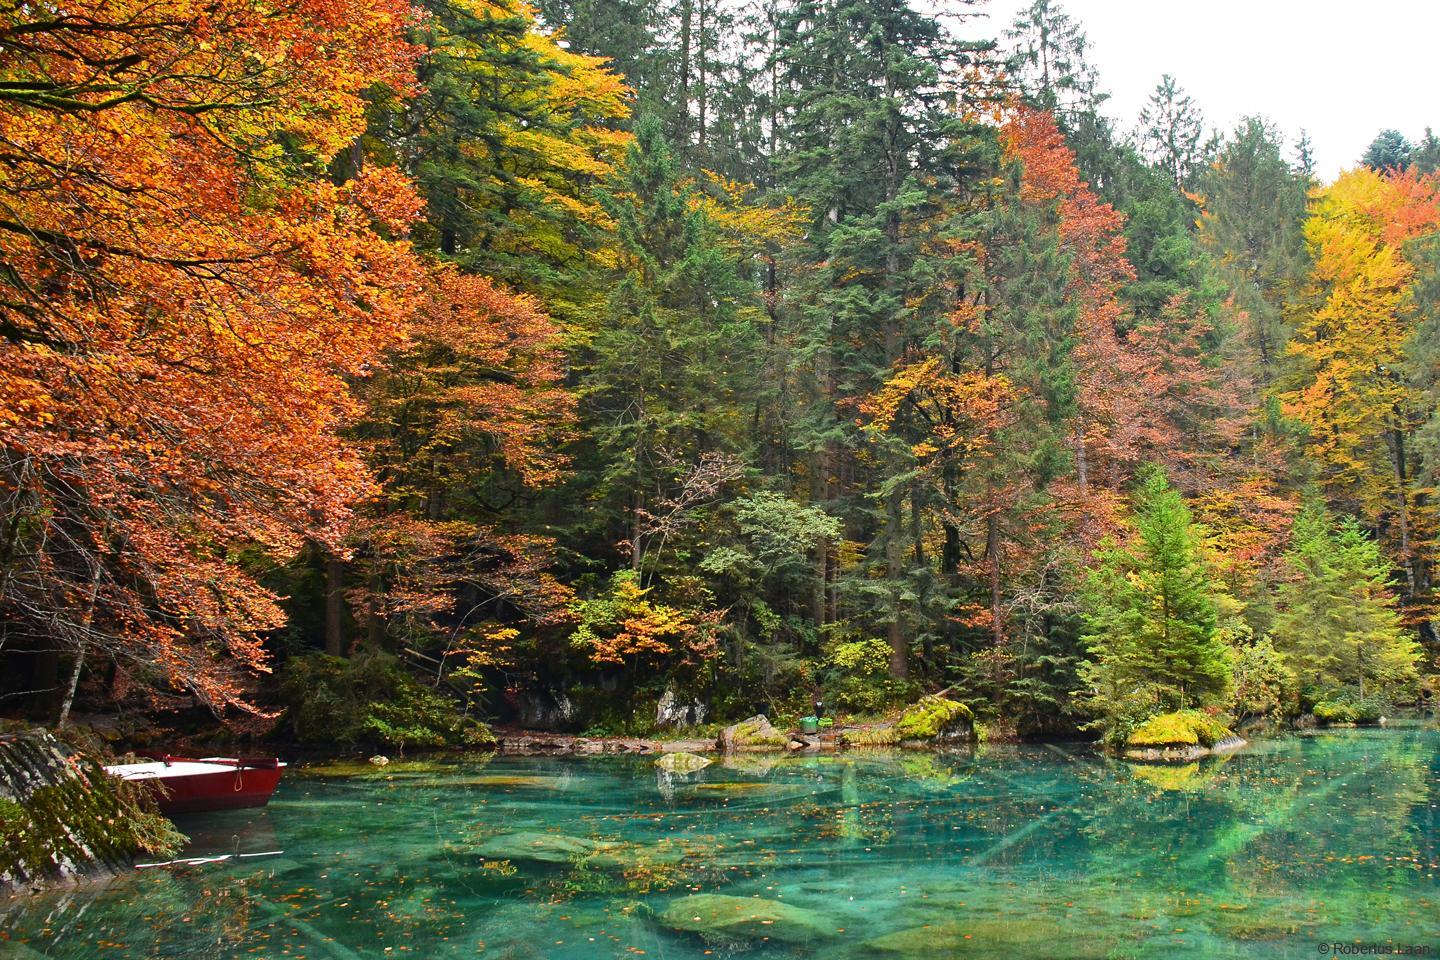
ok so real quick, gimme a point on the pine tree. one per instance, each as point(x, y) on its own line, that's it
point(1252, 227)
point(1389, 152)
point(1150, 613)
point(864, 123)
point(1171, 128)
point(674, 352)
point(1338, 622)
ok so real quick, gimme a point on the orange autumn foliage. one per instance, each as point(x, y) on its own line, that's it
point(185, 303)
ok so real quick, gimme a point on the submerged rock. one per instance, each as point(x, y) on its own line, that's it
point(724, 919)
point(991, 938)
point(1182, 735)
point(753, 734)
point(682, 762)
point(541, 847)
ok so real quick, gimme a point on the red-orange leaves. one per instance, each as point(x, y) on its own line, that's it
point(1113, 409)
point(185, 297)
point(490, 362)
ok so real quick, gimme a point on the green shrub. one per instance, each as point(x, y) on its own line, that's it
point(858, 678)
point(371, 699)
point(1264, 686)
point(1348, 708)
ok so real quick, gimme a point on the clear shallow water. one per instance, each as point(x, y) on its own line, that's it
point(1004, 852)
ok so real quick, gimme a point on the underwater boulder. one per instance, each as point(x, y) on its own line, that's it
point(718, 918)
point(540, 847)
point(990, 938)
point(682, 763)
point(753, 734)
point(1182, 735)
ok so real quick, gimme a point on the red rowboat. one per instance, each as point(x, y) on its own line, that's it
point(210, 783)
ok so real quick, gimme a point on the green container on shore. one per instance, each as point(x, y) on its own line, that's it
point(809, 725)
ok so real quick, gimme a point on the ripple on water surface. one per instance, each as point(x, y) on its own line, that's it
point(1005, 852)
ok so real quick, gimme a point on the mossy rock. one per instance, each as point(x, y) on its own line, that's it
point(630, 856)
point(935, 718)
point(682, 762)
point(753, 734)
point(1021, 937)
point(64, 819)
point(1183, 734)
point(717, 918)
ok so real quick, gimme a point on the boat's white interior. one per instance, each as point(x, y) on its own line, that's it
point(177, 768)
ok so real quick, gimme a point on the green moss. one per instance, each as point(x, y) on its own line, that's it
point(882, 736)
point(1347, 709)
point(934, 717)
point(755, 733)
point(80, 818)
point(1183, 728)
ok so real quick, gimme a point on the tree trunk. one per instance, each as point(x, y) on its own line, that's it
point(899, 644)
point(85, 622)
point(683, 132)
point(992, 557)
point(334, 606)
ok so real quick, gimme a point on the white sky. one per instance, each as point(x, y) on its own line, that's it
point(1339, 69)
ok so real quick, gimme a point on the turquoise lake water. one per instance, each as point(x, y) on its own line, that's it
point(1288, 846)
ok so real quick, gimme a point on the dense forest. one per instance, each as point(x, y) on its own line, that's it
point(372, 370)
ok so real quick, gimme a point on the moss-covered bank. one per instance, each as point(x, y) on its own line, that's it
point(63, 820)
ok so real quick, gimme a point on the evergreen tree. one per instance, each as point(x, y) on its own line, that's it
point(1150, 614)
point(674, 353)
point(506, 138)
point(1338, 622)
point(1049, 56)
point(1255, 207)
point(1388, 152)
point(865, 125)
point(1426, 157)
point(1171, 132)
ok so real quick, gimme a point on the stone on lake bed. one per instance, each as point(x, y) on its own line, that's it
point(540, 847)
point(726, 919)
point(512, 780)
point(682, 762)
point(739, 786)
point(535, 847)
point(992, 938)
